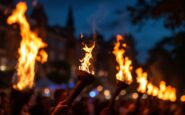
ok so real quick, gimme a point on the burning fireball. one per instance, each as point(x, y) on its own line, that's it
point(30, 49)
point(124, 68)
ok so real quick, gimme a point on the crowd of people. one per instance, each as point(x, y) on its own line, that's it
point(39, 104)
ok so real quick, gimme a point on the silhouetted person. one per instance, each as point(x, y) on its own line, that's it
point(41, 107)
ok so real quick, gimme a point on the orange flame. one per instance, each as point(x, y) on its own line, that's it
point(155, 91)
point(163, 92)
point(29, 49)
point(142, 80)
point(124, 67)
point(162, 86)
point(171, 93)
point(167, 92)
point(162, 89)
point(85, 62)
point(150, 88)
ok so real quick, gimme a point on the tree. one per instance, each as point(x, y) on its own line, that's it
point(173, 11)
point(166, 59)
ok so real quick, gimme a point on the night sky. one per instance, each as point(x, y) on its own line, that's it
point(103, 16)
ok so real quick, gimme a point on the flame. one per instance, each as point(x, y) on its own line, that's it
point(149, 88)
point(85, 62)
point(152, 90)
point(29, 49)
point(169, 94)
point(166, 92)
point(155, 91)
point(163, 92)
point(142, 80)
point(124, 67)
point(162, 88)
point(172, 94)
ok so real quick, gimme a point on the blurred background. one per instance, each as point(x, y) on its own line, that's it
point(153, 29)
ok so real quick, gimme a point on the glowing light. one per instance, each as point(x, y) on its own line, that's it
point(182, 98)
point(92, 94)
point(100, 88)
point(85, 62)
point(162, 86)
point(142, 80)
point(123, 92)
point(135, 95)
point(46, 91)
point(155, 91)
point(124, 68)
point(30, 49)
point(3, 67)
point(149, 89)
point(107, 94)
point(163, 92)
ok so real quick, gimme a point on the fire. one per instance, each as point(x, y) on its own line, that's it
point(155, 91)
point(163, 92)
point(85, 62)
point(29, 50)
point(142, 80)
point(172, 94)
point(149, 88)
point(152, 89)
point(162, 86)
point(124, 68)
point(169, 94)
